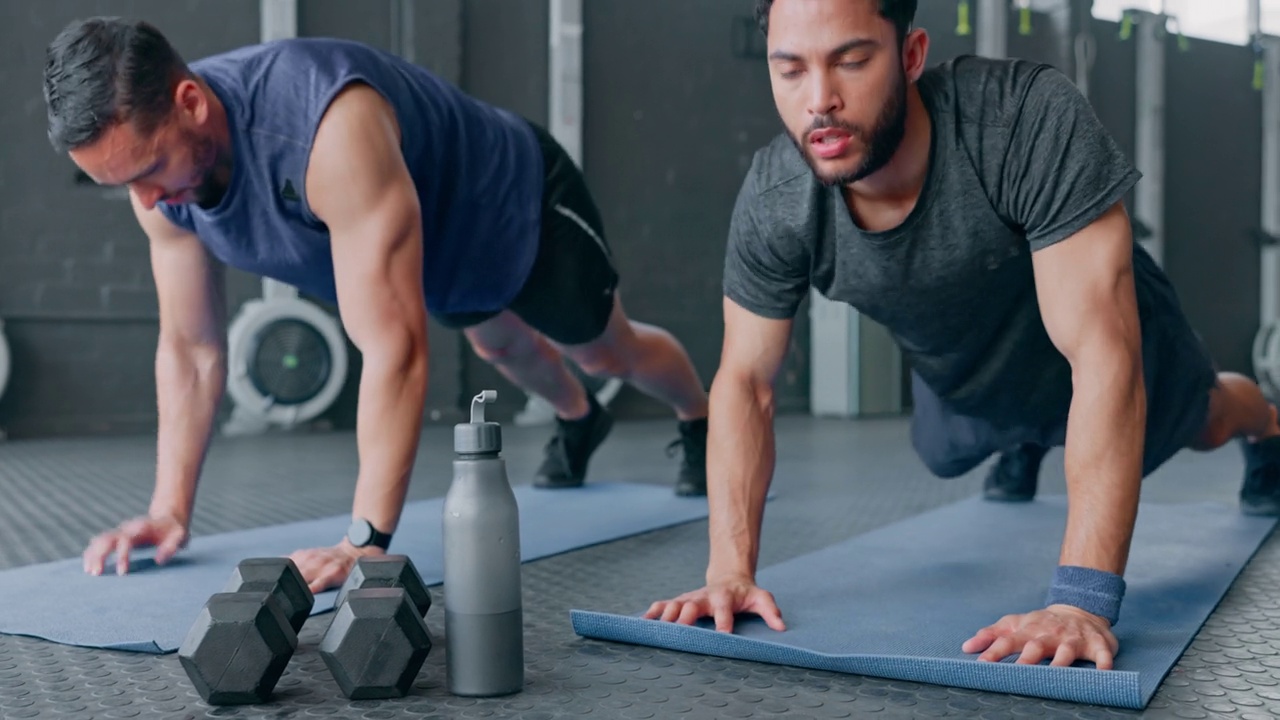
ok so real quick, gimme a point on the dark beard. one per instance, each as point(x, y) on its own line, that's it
point(215, 169)
point(882, 142)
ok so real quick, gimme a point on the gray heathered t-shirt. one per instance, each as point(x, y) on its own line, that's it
point(1019, 161)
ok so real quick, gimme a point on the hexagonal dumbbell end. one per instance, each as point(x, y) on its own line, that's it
point(376, 644)
point(383, 571)
point(238, 648)
point(280, 577)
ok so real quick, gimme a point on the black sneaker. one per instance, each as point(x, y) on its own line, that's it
point(570, 448)
point(1015, 475)
point(692, 479)
point(1260, 493)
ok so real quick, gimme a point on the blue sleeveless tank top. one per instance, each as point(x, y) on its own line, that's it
point(478, 170)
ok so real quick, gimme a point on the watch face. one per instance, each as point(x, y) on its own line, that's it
point(360, 533)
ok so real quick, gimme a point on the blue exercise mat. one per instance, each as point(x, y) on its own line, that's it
point(151, 609)
point(899, 602)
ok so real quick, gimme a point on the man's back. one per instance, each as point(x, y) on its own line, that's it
point(477, 169)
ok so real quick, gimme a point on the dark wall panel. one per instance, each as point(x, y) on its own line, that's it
point(1112, 83)
point(939, 20)
point(673, 117)
point(368, 22)
point(77, 295)
point(1213, 194)
point(505, 57)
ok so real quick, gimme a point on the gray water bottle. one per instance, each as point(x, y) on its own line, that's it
point(484, 625)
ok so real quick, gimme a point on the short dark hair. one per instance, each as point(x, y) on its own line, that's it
point(902, 13)
point(103, 71)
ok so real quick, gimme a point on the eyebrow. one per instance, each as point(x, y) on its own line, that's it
point(855, 44)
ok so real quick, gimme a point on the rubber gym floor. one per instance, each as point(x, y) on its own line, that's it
point(835, 479)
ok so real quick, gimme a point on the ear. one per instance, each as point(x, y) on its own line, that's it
point(190, 100)
point(915, 53)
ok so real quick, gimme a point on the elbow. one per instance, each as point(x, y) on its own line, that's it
point(744, 387)
point(401, 353)
point(1113, 363)
point(205, 361)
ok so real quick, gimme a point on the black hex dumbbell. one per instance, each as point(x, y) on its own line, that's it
point(378, 640)
point(238, 648)
point(241, 642)
point(280, 577)
point(383, 571)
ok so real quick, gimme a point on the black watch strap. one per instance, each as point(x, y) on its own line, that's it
point(362, 533)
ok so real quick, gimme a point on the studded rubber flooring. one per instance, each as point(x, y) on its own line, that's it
point(835, 479)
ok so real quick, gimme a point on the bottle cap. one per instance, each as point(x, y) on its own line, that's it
point(479, 435)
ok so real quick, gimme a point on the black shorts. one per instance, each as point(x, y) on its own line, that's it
point(1178, 374)
point(569, 293)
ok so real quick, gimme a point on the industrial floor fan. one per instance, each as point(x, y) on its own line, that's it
point(286, 361)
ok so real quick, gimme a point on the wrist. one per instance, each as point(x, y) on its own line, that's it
point(1097, 592)
point(359, 552)
point(180, 514)
point(363, 533)
point(729, 573)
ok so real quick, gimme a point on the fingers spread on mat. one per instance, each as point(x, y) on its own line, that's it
point(721, 601)
point(1059, 634)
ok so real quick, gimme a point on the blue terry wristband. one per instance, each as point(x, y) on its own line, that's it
point(1094, 591)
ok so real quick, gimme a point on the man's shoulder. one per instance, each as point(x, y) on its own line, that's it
point(985, 91)
point(282, 54)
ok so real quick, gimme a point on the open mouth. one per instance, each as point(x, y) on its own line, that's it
point(829, 143)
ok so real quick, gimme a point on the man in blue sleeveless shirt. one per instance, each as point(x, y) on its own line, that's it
point(974, 210)
point(366, 181)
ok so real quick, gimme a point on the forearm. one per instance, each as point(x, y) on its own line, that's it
point(392, 395)
point(190, 380)
point(740, 464)
point(1104, 449)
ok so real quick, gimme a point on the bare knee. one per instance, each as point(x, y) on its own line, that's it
point(1236, 409)
point(511, 350)
point(602, 361)
point(1215, 433)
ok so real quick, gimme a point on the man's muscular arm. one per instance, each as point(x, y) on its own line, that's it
point(358, 185)
point(1085, 287)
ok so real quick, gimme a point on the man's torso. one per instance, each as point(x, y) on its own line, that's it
point(953, 283)
point(477, 169)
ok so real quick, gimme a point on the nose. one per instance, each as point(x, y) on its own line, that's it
point(823, 98)
point(148, 195)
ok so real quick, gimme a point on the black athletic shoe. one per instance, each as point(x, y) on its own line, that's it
point(570, 448)
point(692, 479)
point(1260, 493)
point(1015, 475)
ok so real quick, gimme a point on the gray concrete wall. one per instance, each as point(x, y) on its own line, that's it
point(75, 285)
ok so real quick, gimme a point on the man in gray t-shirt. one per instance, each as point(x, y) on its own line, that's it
point(974, 210)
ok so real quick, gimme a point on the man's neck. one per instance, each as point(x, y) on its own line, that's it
point(900, 181)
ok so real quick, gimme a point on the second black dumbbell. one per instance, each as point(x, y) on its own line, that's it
point(378, 640)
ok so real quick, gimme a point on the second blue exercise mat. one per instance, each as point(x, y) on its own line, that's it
point(899, 602)
point(151, 609)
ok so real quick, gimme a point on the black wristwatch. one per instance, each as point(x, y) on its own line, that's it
point(362, 533)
